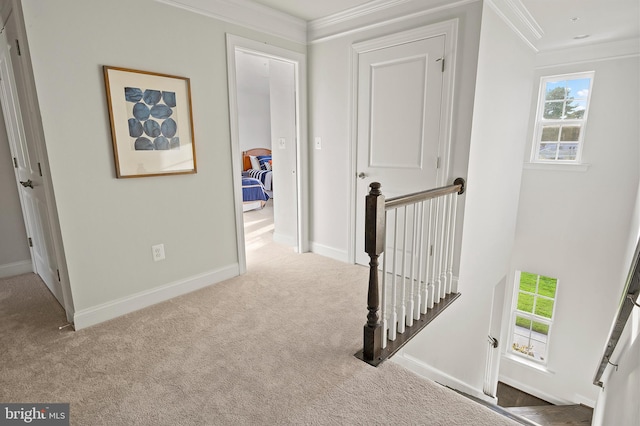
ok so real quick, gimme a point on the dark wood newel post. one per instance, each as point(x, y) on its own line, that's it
point(374, 235)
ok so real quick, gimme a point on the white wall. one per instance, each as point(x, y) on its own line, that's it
point(108, 224)
point(453, 348)
point(14, 252)
point(617, 402)
point(330, 116)
point(574, 225)
point(254, 116)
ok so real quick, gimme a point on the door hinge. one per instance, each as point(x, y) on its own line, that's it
point(58, 272)
point(438, 163)
point(30, 242)
point(15, 162)
point(18, 47)
point(40, 169)
point(431, 250)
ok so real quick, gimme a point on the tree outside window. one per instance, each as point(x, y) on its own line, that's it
point(561, 118)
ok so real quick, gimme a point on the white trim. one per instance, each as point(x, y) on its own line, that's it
point(560, 167)
point(330, 252)
point(450, 30)
point(16, 268)
point(115, 308)
point(314, 37)
point(247, 14)
point(424, 370)
point(621, 49)
point(353, 13)
point(235, 43)
point(517, 20)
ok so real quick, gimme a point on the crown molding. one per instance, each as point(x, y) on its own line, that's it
point(247, 14)
point(353, 13)
point(518, 18)
point(368, 16)
point(589, 54)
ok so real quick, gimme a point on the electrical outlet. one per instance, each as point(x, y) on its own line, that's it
point(158, 252)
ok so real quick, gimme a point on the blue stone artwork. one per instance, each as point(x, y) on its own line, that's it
point(169, 98)
point(143, 144)
point(152, 128)
point(151, 97)
point(161, 111)
point(135, 128)
point(132, 94)
point(161, 143)
point(152, 123)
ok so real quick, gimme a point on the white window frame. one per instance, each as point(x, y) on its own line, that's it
point(542, 122)
point(532, 317)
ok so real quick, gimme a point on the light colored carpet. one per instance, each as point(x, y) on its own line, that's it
point(272, 347)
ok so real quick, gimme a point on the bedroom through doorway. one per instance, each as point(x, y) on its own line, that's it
point(265, 109)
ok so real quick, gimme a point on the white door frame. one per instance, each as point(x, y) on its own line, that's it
point(31, 105)
point(299, 61)
point(450, 30)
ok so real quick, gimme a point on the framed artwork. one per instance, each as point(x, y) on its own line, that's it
point(151, 123)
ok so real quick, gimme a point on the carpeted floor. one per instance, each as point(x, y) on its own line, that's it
point(272, 347)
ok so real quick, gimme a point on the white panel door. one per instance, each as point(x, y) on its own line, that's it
point(399, 111)
point(28, 176)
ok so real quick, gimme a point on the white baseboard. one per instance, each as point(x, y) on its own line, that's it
point(330, 252)
point(16, 268)
point(422, 369)
point(106, 311)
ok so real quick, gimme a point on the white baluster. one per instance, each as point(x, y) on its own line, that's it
point(393, 317)
point(384, 314)
point(454, 285)
point(402, 278)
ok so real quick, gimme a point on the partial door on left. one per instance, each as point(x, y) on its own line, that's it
point(28, 178)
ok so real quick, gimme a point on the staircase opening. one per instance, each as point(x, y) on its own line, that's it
point(410, 241)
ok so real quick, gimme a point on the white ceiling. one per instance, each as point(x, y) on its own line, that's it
point(601, 20)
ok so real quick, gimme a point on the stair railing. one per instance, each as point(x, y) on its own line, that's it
point(417, 269)
point(629, 300)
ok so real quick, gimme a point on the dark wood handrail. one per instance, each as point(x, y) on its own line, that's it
point(629, 300)
point(375, 233)
point(404, 200)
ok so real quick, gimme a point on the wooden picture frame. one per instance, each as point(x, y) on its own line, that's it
point(151, 123)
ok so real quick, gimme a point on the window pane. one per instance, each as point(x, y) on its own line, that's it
point(568, 151)
point(528, 282)
point(548, 151)
point(553, 109)
point(547, 286)
point(544, 307)
point(525, 302)
point(523, 325)
point(542, 329)
point(575, 109)
point(555, 90)
point(570, 133)
point(550, 133)
point(578, 88)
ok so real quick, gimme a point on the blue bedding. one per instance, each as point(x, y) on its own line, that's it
point(252, 190)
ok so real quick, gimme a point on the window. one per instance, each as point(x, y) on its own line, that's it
point(532, 317)
point(563, 104)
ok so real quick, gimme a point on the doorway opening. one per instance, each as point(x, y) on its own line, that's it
point(267, 117)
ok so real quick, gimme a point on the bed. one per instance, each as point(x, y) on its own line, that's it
point(257, 186)
point(256, 163)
